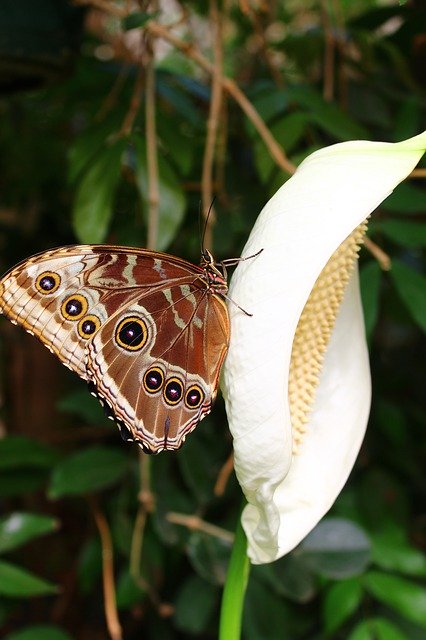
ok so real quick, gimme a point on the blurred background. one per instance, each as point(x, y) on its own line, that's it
point(103, 104)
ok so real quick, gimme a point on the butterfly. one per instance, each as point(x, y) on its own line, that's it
point(148, 331)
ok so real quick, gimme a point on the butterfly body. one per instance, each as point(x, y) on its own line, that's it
point(148, 331)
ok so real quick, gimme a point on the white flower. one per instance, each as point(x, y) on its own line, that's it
point(296, 380)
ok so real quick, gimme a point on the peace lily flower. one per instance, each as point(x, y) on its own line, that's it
point(296, 379)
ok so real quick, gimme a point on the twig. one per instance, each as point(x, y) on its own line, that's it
point(418, 173)
point(146, 505)
point(232, 88)
point(110, 100)
point(151, 157)
point(223, 477)
point(135, 103)
point(212, 124)
point(382, 258)
point(263, 45)
point(160, 31)
point(110, 605)
point(197, 524)
point(329, 49)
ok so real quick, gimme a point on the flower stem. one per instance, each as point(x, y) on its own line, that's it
point(235, 588)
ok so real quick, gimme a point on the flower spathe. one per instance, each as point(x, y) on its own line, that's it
point(296, 379)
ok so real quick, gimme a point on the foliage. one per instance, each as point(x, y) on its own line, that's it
point(73, 168)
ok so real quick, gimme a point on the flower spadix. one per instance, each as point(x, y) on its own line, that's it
point(296, 379)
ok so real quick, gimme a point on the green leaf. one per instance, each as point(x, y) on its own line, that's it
point(129, 593)
point(89, 144)
point(336, 548)
point(288, 131)
point(340, 602)
point(270, 103)
point(87, 471)
point(406, 198)
point(172, 203)
point(94, 199)
point(209, 556)
point(390, 551)
point(19, 451)
point(18, 528)
point(370, 277)
point(406, 597)
point(195, 604)
point(327, 115)
point(39, 632)
point(411, 287)
point(82, 404)
point(407, 233)
point(269, 617)
point(376, 629)
point(18, 583)
point(137, 19)
point(289, 576)
point(22, 482)
point(89, 568)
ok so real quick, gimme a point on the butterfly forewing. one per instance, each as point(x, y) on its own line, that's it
point(146, 329)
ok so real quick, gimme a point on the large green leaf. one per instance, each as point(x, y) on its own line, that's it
point(336, 548)
point(288, 132)
point(410, 233)
point(82, 404)
point(94, 199)
point(18, 528)
point(327, 115)
point(172, 203)
point(340, 602)
point(39, 632)
point(129, 593)
point(87, 145)
point(391, 551)
point(195, 604)
point(376, 629)
point(406, 597)
point(18, 583)
point(411, 287)
point(209, 556)
point(88, 471)
point(19, 451)
point(406, 198)
point(370, 277)
point(289, 576)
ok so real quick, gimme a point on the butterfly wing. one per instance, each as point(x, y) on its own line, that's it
point(142, 327)
point(157, 362)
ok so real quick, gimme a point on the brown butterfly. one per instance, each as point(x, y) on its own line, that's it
point(148, 331)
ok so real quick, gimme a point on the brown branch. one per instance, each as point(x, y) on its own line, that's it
point(232, 88)
point(212, 124)
point(329, 49)
point(110, 605)
point(152, 157)
point(265, 51)
point(194, 523)
point(189, 50)
point(223, 476)
point(135, 103)
point(382, 258)
point(418, 173)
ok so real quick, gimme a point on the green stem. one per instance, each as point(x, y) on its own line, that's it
point(235, 588)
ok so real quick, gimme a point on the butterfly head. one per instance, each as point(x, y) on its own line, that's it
point(215, 273)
